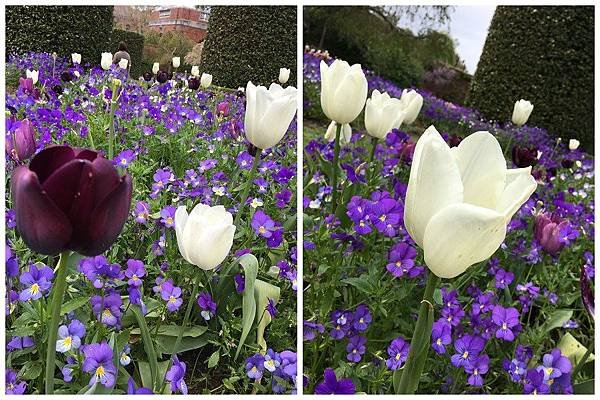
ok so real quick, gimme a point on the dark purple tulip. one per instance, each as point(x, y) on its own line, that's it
point(66, 76)
point(524, 156)
point(26, 84)
point(223, 108)
point(70, 199)
point(162, 76)
point(587, 295)
point(454, 140)
point(547, 232)
point(57, 89)
point(240, 93)
point(147, 76)
point(194, 83)
point(21, 144)
point(567, 162)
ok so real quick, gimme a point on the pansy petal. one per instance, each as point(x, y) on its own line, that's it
point(461, 235)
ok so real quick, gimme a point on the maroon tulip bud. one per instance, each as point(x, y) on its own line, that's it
point(587, 295)
point(524, 157)
point(454, 140)
point(70, 199)
point(26, 84)
point(223, 108)
point(147, 76)
point(567, 162)
point(57, 89)
point(20, 144)
point(66, 76)
point(547, 230)
point(407, 150)
point(162, 76)
point(194, 83)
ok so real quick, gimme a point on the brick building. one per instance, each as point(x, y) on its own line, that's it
point(192, 21)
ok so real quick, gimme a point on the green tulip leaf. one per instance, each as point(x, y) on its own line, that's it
point(148, 345)
point(263, 291)
point(250, 265)
point(571, 348)
point(557, 319)
point(73, 304)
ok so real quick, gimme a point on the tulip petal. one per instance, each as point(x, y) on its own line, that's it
point(350, 96)
point(43, 226)
point(49, 160)
point(520, 185)
point(181, 217)
point(106, 221)
point(106, 178)
point(482, 168)
point(434, 183)
point(461, 235)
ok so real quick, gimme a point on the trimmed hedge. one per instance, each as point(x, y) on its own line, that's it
point(250, 43)
point(544, 55)
point(61, 29)
point(135, 48)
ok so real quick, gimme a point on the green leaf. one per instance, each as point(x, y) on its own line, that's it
point(146, 373)
point(361, 283)
point(31, 370)
point(263, 291)
point(148, 345)
point(571, 348)
point(557, 319)
point(213, 359)
point(22, 331)
point(165, 344)
point(173, 330)
point(250, 265)
point(73, 304)
point(586, 387)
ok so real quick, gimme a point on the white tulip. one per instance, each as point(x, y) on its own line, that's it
point(382, 114)
point(459, 200)
point(343, 91)
point(205, 236)
point(205, 80)
point(106, 61)
point(155, 68)
point(76, 58)
point(176, 62)
point(195, 70)
point(34, 75)
point(284, 75)
point(521, 112)
point(573, 144)
point(345, 133)
point(123, 63)
point(268, 113)
point(411, 104)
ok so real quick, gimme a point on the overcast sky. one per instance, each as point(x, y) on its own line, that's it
point(468, 27)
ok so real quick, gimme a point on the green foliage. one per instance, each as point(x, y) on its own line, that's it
point(250, 44)
point(369, 36)
point(544, 55)
point(61, 29)
point(162, 47)
point(135, 48)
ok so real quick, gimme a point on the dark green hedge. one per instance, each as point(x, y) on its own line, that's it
point(250, 43)
point(544, 55)
point(61, 29)
point(135, 48)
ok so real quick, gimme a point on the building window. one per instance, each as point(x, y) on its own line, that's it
point(164, 13)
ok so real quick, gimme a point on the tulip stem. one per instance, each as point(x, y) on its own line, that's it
point(334, 167)
point(244, 197)
point(419, 344)
point(374, 141)
point(58, 292)
point(186, 319)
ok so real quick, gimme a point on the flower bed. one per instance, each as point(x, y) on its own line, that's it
point(517, 322)
point(122, 310)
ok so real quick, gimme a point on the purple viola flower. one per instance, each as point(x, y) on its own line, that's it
point(176, 376)
point(240, 282)
point(476, 369)
point(272, 361)
point(124, 158)
point(167, 216)
point(67, 370)
point(99, 362)
point(516, 369)
point(362, 318)
point(342, 321)
point(255, 365)
point(208, 306)
point(506, 319)
point(331, 385)
point(467, 349)
point(161, 178)
point(244, 160)
point(453, 314)
point(135, 270)
point(36, 282)
point(482, 304)
point(172, 295)
point(262, 224)
point(12, 262)
point(262, 185)
point(310, 330)
point(141, 212)
point(271, 309)
point(356, 348)
point(13, 385)
point(132, 390)
point(534, 383)
point(19, 343)
point(70, 336)
point(401, 261)
point(386, 216)
point(554, 365)
point(441, 336)
point(398, 352)
point(107, 309)
point(503, 278)
point(283, 198)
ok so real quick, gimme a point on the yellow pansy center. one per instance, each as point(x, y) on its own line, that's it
point(100, 371)
point(465, 354)
point(262, 229)
point(35, 288)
